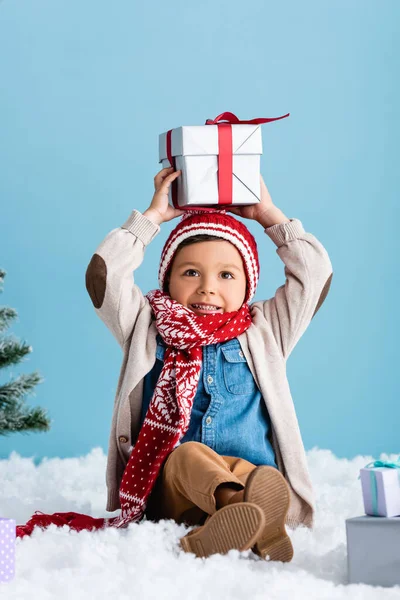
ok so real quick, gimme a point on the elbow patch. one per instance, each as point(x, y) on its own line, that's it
point(96, 280)
point(323, 295)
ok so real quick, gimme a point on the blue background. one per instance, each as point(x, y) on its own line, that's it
point(86, 87)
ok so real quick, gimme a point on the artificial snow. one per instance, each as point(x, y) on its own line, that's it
point(144, 561)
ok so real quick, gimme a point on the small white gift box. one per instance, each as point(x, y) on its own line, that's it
point(219, 161)
point(380, 483)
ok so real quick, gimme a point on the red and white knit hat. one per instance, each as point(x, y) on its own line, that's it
point(220, 224)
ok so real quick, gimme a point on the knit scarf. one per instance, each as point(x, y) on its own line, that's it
point(168, 416)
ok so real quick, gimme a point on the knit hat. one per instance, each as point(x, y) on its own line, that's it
point(219, 224)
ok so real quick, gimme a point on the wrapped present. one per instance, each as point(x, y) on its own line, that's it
point(7, 549)
point(380, 481)
point(373, 555)
point(219, 161)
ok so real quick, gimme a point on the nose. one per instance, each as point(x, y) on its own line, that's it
point(206, 287)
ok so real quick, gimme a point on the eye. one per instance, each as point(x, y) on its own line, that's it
point(223, 273)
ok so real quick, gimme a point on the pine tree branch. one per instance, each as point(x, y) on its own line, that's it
point(7, 315)
point(14, 415)
point(18, 388)
point(12, 352)
point(22, 419)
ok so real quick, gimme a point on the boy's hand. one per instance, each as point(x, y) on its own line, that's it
point(160, 206)
point(255, 211)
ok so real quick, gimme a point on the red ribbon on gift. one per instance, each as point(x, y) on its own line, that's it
point(224, 121)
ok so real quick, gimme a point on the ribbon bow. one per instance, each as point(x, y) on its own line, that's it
point(383, 463)
point(233, 120)
point(374, 488)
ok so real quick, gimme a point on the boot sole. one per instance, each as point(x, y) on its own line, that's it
point(267, 488)
point(236, 526)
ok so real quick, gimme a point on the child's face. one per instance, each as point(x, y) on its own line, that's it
point(210, 273)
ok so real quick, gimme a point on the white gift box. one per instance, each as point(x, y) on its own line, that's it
point(381, 491)
point(201, 152)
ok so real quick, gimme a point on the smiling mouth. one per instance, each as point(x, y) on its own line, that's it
point(204, 308)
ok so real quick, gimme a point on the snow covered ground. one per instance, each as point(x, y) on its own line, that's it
point(144, 561)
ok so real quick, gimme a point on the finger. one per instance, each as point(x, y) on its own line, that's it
point(165, 169)
point(163, 172)
point(161, 176)
point(167, 181)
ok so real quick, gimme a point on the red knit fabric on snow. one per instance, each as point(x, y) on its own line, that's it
point(168, 416)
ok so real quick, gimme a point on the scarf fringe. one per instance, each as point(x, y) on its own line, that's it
point(76, 521)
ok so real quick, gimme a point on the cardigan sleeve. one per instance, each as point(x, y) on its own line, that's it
point(109, 276)
point(308, 275)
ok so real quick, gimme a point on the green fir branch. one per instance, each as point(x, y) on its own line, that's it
point(12, 352)
point(21, 419)
point(7, 315)
point(15, 417)
point(18, 388)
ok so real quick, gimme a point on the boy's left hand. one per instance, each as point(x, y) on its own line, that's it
point(255, 211)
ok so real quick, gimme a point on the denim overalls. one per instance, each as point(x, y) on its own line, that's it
point(229, 414)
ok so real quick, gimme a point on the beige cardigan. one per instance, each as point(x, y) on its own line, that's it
point(278, 324)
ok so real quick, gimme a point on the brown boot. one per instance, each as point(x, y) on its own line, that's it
point(266, 487)
point(236, 526)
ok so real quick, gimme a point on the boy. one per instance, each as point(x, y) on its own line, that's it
point(204, 430)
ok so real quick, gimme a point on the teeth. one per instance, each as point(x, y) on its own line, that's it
point(202, 307)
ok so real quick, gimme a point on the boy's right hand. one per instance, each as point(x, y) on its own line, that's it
point(160, 207)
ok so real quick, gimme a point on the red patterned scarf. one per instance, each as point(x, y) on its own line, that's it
point(168, 416)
